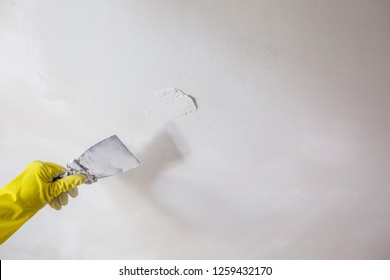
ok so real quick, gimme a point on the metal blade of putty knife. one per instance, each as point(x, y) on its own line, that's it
point(106, 158)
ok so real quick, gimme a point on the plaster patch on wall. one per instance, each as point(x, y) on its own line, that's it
point(171, 104)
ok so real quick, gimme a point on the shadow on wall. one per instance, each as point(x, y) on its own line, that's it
point(165, 151)
point(162, 153)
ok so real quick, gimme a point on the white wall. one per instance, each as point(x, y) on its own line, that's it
point(286, 157)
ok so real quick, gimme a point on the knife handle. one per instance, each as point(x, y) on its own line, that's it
point(75, 167)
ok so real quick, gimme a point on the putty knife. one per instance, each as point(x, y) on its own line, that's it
point(106, 158)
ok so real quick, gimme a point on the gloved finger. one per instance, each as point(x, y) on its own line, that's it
point(54, 169)
point(73, 192)
point(63, 198)
point(55, 203)
point(46, 170)
point(66, 183)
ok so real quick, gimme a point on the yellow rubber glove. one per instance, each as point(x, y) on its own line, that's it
point(62, 198)
point(31, 190)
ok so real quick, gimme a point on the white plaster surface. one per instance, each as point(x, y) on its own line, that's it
point(284, 155)
point(170, 104)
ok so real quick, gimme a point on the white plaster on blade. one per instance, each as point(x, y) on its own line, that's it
point(171, 104)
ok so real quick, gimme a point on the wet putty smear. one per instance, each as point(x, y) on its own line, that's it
point(171, 104)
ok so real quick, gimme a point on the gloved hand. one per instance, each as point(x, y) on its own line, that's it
point(62, 198)
point(31, 190)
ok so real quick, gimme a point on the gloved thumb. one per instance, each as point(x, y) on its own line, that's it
point(65, 184)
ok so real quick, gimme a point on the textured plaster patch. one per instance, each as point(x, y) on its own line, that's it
point(171, 104)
